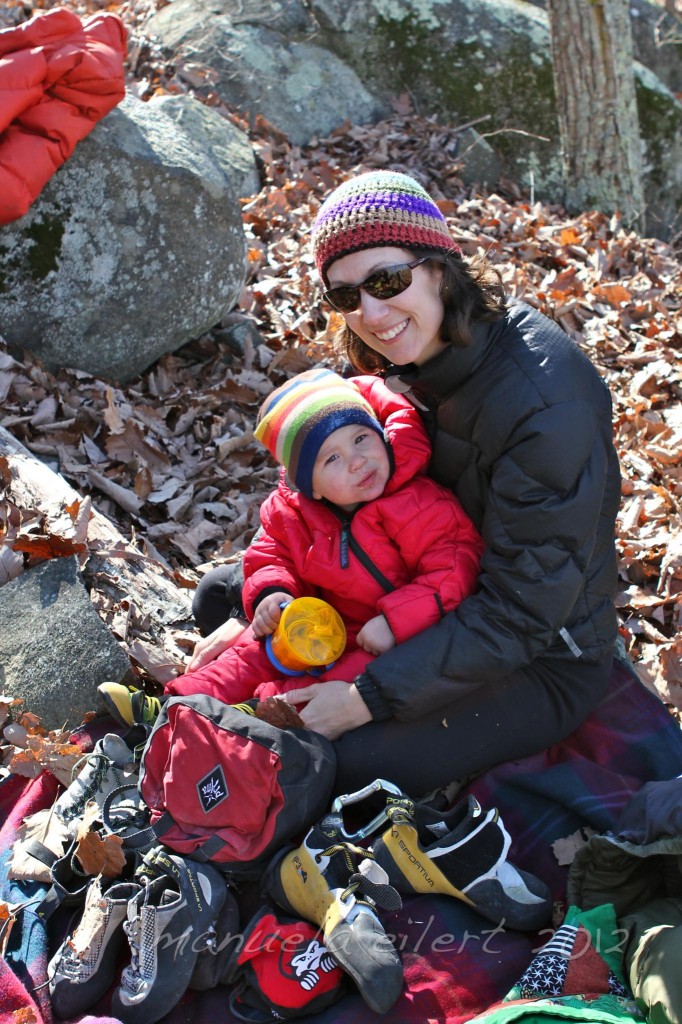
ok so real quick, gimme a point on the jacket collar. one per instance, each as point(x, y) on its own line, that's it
point(430, 383)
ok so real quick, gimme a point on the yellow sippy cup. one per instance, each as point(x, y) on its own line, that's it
point(310, 637)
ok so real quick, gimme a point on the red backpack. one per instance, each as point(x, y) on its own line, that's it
point(224, 786)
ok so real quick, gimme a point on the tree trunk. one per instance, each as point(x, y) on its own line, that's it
point(595, 86)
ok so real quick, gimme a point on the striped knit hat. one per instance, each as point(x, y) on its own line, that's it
point(378, 208)
point(298, 417)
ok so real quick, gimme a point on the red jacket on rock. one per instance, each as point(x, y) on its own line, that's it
point(412, 555)
point(58, 77)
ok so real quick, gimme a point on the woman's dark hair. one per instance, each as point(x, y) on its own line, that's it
point(471, 291)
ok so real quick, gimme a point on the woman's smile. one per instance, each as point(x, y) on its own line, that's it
point(404, 328)
point(387, 336)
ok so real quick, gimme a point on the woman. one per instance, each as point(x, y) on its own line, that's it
point(520, 424)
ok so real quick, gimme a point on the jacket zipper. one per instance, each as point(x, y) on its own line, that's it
point(349, 542)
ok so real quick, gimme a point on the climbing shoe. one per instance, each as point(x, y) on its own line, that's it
point(338, 886)
point(168, 923)
point(84, 966)
point(108, 767)
point(129, 706)
point(461, 853)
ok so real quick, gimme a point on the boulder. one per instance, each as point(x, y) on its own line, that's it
point(227, 145)
point(134, 247)
point(54, 648)
point(267, 60)
point(468, 59)
point(310, 66)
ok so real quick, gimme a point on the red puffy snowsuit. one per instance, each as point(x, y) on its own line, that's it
point(416, 534)
point(58, 78)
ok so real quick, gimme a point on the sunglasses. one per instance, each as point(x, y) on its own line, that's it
point(382, 284)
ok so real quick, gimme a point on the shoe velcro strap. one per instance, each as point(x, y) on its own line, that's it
point(40, 852)
point(382, 894)
point(69, 885)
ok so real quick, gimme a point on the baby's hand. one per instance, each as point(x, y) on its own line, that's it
point(268, 613)
point(376, 637)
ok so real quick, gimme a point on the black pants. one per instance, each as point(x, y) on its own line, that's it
point(515, 716)
point(218, 597)
point(520, 714)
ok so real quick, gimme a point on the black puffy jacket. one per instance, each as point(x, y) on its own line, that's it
point(521, 431)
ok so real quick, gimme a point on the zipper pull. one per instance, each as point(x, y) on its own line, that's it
point(343, 547)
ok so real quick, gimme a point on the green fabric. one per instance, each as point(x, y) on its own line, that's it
point(602, 1010)
point(653, 959)
point(644, 882)
point(611, 870)
point(587, 950)
point(583, 951)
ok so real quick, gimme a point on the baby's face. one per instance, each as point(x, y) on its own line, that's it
point(351, 467)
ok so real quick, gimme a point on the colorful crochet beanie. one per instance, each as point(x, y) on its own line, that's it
point(298, 417)
point(378, 208)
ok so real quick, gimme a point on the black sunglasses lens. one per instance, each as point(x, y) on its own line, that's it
point(384, 284)
point(343, 300)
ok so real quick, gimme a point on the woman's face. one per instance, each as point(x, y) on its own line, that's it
point(406, 328)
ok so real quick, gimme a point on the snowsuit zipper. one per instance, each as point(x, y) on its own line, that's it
point(349, 542)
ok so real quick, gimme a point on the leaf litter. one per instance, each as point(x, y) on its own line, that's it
point(171, 460)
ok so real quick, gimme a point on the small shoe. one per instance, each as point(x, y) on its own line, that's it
point(168, 923)
point(461, 853)
point(338, 886)
point(129, 706)
point(84, 966)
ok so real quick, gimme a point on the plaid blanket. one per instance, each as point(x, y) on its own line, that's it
point(456, 964)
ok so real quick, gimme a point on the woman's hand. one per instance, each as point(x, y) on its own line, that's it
point(268, 613)
point(331, 708)
point(209, 647)
point(376, 637)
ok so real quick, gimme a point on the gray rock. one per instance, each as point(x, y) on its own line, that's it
point(467, 59)
point(268, 61)
point(481, 164)
point(134, 247)
point(54, 648)
point(310, 66)
point(227, 145)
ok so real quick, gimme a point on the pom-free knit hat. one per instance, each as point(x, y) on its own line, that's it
point(378, 208)
point(298, 417)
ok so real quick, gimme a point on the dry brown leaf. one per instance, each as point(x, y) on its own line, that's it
point(101, 855)
point(565, 849)
point(7, 920)
point(49, 830)
point(56, 754)
point(154, 660)
point(11, 564)
point(279, 712)
point(25, 1015)
point(24, 763)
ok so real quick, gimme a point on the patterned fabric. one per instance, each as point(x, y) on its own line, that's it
point(572, 962)
point(298, 417)
point(456, 964)
point(378, 208)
